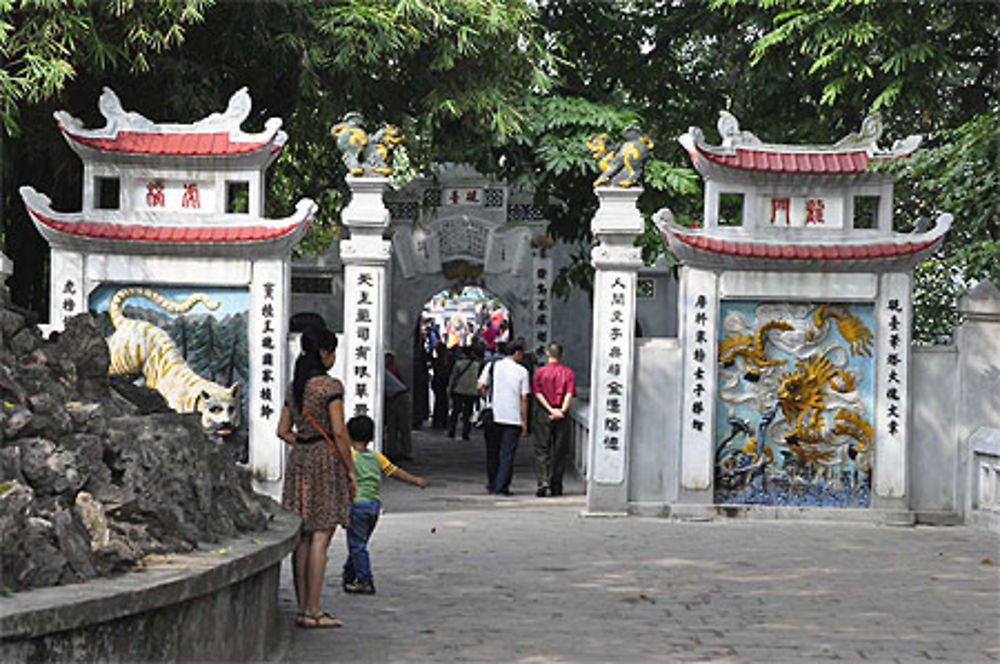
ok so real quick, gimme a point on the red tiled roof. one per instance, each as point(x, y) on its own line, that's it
point(139, 142)
point(146, 233)
point(854, 161)
point(803, 251)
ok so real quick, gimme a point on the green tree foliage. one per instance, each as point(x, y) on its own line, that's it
point(931, 67)
point(204, 345)
point(516, 87)
point(667, 65)
point(935, 60)
point(46, 43)
point(456, 75)
point(959, 172)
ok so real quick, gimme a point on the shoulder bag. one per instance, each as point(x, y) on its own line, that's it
point(486, 414)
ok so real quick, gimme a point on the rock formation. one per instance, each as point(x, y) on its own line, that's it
point(97, 473)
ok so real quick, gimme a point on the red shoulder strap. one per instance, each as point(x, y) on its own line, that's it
point(322, 431)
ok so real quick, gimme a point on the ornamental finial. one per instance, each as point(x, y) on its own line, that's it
point(366, 155)
point(621, 165)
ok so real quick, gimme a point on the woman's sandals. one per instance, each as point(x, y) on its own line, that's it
point(322, 620)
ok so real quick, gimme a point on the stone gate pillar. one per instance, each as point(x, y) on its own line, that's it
point(617, 260)
point(366, 257)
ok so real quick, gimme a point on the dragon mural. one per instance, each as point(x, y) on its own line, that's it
point(795, 392)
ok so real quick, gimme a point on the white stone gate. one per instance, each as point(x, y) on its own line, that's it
point(461, 228)
point(177, 210)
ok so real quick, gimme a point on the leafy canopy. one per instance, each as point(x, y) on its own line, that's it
point(44, 42)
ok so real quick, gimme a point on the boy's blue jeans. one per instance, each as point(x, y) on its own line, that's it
point(364, 516)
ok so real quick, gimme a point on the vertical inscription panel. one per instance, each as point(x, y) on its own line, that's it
point(892, 402)
point(614, 316)
point(541, 301)
point(66, 287)
point(699, 331)
point(267, 331)
point(363, 313)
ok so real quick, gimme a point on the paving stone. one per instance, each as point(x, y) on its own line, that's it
point(466, 577)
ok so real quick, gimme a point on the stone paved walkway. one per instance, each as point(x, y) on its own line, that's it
point(466, 577)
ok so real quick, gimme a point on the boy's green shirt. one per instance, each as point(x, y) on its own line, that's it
point(369, 466)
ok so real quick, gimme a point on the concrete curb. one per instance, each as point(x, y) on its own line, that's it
point(176, 579)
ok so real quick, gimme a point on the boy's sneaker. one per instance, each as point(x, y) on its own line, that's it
point(360, 588)
point(347, 578)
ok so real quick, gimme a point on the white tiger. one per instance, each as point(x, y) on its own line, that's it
point(138, 346)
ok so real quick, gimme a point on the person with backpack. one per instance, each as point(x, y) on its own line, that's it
point(464, 392)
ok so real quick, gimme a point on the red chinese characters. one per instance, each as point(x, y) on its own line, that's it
point(191, 198)
point(814, 211)
point(779, 205)
point(154, 194)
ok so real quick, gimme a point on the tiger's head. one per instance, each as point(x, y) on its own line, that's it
point(219, 408)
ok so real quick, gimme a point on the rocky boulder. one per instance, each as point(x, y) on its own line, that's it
point(96, 472)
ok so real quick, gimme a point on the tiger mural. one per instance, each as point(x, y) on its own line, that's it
point(137, 346)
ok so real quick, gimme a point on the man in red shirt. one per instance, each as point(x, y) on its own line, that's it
point(553, 386)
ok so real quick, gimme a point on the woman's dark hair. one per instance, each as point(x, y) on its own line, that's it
point(308, 363)
point(303, 320)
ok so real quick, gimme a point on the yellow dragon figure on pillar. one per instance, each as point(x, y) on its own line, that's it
point(621, 165)
point(366, 155)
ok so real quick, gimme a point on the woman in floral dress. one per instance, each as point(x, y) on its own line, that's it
point(319, 479)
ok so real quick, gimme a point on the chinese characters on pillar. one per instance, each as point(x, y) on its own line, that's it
point(69, 297)
point(269, 348)
point(613, 374)
point(363, 363)
point(895, 368)
point(541, 299)
point(892, 394)
point(699, 355)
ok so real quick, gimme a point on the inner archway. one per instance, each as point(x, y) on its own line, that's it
point(461, 321)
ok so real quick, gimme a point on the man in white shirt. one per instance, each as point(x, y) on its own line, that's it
point(505, 386)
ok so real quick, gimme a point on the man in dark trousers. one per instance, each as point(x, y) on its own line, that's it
point(553, 386)
point(505, 387)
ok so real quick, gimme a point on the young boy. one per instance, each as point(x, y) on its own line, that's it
point(369, 466)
